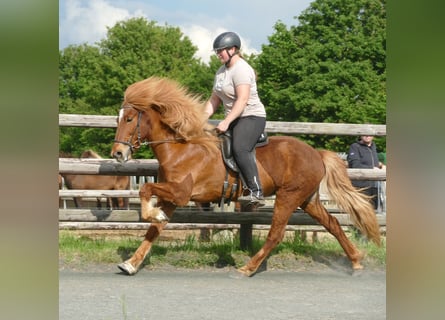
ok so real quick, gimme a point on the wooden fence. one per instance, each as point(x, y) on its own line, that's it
point(189, 218)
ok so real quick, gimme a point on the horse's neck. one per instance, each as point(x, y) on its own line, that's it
point(177, 152)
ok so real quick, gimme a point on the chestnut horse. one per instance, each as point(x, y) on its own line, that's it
point(98, 182)
point(161, 113)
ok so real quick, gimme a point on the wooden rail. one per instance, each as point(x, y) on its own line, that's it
point(350, 129)
point(263, 217)
point(150, 167)
point(183, 217)
point(135, 167)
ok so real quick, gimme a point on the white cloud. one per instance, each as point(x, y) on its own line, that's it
point(88, 22)
point(203, 39)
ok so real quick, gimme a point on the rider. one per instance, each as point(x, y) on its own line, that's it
point(245, 116)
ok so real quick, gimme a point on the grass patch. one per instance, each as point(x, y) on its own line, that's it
point(83, 249)
point(191, 253)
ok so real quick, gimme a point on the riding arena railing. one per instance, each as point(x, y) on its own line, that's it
point(191, 217)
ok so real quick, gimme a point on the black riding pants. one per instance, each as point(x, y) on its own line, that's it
point(245, 134)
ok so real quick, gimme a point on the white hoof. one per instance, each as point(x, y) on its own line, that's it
point(127, 267)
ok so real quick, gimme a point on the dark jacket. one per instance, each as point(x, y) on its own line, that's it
point(361, 156)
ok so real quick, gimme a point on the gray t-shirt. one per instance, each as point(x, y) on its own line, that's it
point(227, 79)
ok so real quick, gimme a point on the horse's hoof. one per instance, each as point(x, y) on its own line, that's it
point(127, 268)
point(245, 271)
point(356, 263)
point(357, 266)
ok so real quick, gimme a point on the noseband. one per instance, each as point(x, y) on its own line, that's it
point(139, 140)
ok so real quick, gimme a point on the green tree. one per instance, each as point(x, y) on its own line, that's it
point(142, 49)
point(79, 93)
point(93, 78)
point(329, 68)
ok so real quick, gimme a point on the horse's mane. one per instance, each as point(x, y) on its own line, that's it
point(90, 154)
point(179, 109)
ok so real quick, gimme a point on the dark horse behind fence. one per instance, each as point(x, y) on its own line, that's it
point(159, 112)
point(98, 182)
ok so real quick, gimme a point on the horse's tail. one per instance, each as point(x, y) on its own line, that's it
point(348, 198)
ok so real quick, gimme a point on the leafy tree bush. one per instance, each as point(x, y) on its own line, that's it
point(93, 78)
point(330, 68)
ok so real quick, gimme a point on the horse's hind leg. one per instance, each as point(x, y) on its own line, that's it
point(98, 203)
point(282, 212)
point(77, 202)
point(120, 203)
point(316, 210)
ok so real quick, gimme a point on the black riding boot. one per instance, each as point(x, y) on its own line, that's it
point(255, 195)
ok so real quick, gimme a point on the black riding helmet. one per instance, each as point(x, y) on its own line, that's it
point(227, 40)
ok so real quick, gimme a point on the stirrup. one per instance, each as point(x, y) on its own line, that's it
point(252, 200)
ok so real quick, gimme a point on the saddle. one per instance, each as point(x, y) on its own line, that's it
point(226, 148)
point(230, 163)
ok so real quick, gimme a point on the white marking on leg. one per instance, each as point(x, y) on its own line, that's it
point(151, 213)
point(160, 215)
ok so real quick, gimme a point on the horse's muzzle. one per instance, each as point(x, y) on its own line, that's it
point(121, 154)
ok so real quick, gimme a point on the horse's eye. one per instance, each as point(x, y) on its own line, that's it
point(129, 119)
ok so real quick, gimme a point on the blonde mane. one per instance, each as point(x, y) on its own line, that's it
point(90, 154)
point(179, 110)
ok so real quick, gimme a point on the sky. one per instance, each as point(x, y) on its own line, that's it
point(86, 21)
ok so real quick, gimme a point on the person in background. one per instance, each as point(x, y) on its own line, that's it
point(363, 155)
point(244, 114)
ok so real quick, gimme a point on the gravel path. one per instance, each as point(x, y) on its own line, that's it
point(102, 292)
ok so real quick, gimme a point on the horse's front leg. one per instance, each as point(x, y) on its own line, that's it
point(131, 266)
point(170, 194)
point(175, 193)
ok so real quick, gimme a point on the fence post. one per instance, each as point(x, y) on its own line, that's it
point(245, 236)
point(245, 231)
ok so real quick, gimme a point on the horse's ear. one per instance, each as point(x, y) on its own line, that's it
point(159, 108)
point(155, 107)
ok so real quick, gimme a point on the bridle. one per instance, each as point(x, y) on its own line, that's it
point(139, 141)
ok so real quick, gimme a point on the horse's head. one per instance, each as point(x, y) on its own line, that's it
point(128, 134)
point(157, 111)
